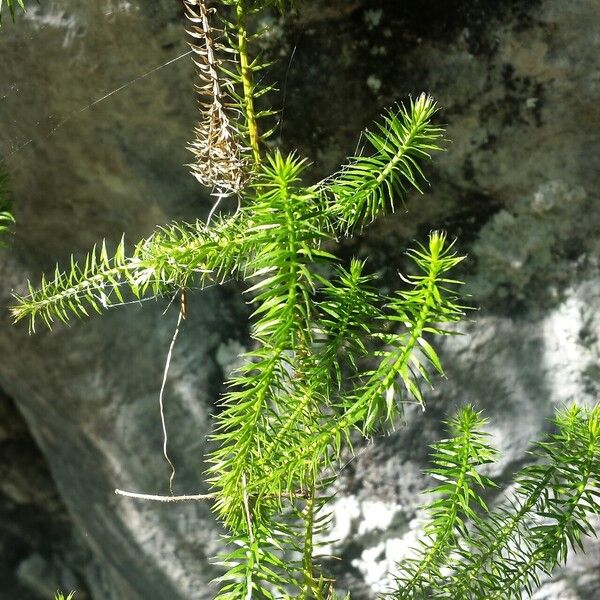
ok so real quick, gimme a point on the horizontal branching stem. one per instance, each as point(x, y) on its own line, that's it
point(192, 497)
point(159, 498)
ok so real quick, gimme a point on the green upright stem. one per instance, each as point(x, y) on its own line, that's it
point(466, 576)
point(548, 542)
point(308, 514)
point(358, 410)
point(247, 81)
point(437, 550)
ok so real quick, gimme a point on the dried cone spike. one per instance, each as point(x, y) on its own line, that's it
point(219, 163)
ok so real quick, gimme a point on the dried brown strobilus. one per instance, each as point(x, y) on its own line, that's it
point(219, 157)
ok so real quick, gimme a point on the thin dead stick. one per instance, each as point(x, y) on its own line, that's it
point(207, 497)
point(157, 498)
point(300, 494)
point(215, 206)
point(161, 397)
point(186, 498)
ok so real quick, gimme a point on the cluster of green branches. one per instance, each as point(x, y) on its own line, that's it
point(189, 255)
point(289, 408)
point(332, 356)
point(469, 552)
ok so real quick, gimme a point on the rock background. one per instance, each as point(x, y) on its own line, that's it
point(519, 88)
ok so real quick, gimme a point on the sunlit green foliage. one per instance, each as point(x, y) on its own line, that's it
point(470, 552)
point(370, 185)
point(189, 255)
point(289, 411)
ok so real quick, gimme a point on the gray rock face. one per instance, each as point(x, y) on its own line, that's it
point(518, 186)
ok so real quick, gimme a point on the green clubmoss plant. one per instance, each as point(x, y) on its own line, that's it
point(468, 552)
point(332, 356)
